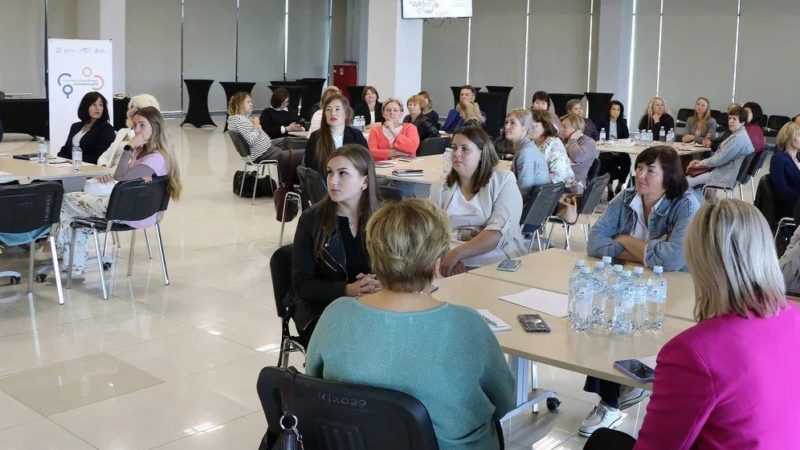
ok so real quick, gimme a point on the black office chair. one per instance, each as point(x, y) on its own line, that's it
point(433, 146)
point(594, 170)
point(774, 124)
point(243, 149)
point(28, 208)
point(389, 194)
point(280, 269)
point(741, 177)
point(722, 123)
point(130, 200)
point(752, 172)
point(312, 184)
point(683, 115)
point(331, 415)
point(588, 203)
point(288, 161)
point(540, 205)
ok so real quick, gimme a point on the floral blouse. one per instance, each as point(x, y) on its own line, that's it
point(558, 163)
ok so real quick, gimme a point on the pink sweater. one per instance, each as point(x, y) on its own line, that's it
point(406, 141)
point(727, 383)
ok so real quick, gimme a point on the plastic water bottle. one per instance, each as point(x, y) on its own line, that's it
point(602, 134)
point(662, 135)
point(639, 284)
point(573, 277)
point(637, 136)
point(623, 305)
point(41, 147)
point(670, 136)
point(656, 299)
point(607, 263)
point(599, 298)
point(447, 162)
point(584, 292)
point(649, 135)
point(77, 158)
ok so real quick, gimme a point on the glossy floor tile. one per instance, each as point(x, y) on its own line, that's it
point(183, 359)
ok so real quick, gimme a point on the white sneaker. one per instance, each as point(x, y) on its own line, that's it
point(601, 416)
point(630, 396)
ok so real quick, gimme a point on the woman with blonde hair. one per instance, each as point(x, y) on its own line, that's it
point(784, 169)
point(384, 331)
point(581, 149)
point(740, 356)
point(465, 110)
point(528, 164)
point(700, 125)
point(147, 154)
point(427, 107)
point(656, 117)
point(249, 128)
point(111, 156)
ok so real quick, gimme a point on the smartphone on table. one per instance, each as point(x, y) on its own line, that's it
point(636, 369)
point(509, 265)
point(533, 323)
point(407, 172)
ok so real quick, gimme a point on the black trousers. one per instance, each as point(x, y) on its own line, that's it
point(608, 439)
point(618, 165)
point(607, 390)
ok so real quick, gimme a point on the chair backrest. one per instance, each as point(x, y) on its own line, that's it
point(312, 184)
point(389, 194)
point(280, 269)
point(776, 122)
point(341, 416)
point(593, 194)
point(594, 170)
point(722, 122)
point(29, 207)
point(239, 144)
point(744, 168)
point(765, 201)
point(138, 199)
point(757, 164)
point(683, 114)
point(288, 161)
point(541, 204)
point(433, 146)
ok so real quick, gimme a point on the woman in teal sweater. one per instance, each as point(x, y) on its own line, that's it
point(401, 338)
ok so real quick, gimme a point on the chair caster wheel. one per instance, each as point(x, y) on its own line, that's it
point(106, 265)
point(15, 280)
point(553, 403)
point(40, 278)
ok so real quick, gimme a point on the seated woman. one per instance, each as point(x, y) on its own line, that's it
point(330, 258)
point(656, 117)
point(581, 149)
point(616, 164)
point(541, 102)
point(784, 170)
point(333, 133)
point(725, 162)
point(249, 128)
point(425, 128)
point(753, 126)
point(574, 106)
point(741, 354)
point(464, 111)
point(393, 138)
point(700, 125)
point(528, 164)
point(545, 135)
point(370, 108)
point(147, 154)
point(427, 108)
point(316, 116)
point(110, 158)
point(276, 120)
point(643, 225)
point(483, 203)
point(93, 133)
point(383, 333)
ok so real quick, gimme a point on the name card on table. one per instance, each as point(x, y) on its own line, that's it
point(548, 302)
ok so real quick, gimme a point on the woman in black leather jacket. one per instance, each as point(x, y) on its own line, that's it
point(330, 258)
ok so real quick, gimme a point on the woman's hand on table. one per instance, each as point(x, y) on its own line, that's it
point(105, 179)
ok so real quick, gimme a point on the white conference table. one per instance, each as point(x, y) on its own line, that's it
point(12, 169)
point(631, 148)
point(549, 270)
point(591, 353)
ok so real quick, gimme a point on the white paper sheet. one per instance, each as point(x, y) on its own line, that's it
point(548, 302)
point(649, 361)
point(495, 323)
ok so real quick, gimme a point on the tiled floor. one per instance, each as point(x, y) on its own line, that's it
point(174, 367)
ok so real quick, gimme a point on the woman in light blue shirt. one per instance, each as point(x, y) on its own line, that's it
point(402, 338)
point(528, 164)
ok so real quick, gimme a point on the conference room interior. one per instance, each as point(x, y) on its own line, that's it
point(175, 367)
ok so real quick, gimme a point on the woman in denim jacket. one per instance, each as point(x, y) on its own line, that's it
point(644, 225)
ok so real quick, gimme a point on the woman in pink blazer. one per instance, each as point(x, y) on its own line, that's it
point(394, 138)
point(729, 382)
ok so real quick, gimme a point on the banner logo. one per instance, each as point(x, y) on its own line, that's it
point(87, 78)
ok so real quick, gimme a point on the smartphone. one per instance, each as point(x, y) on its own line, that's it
point(407, 172)
point(384, 164)
point(636, 369)
point(509, 265)
point(533, 323)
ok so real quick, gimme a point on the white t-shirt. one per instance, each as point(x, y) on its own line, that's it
point(467, 219)
point(640, 231)
point(76, 140)
point(338, 140)
point(612, 130)
point(372, 117)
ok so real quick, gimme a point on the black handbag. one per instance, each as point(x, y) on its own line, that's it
point(290, 438)
point(265, 187)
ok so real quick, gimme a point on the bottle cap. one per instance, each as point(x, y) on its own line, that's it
point(658, 269)
point(638, 270)
point(599, 265)
point(618, 267)
point(580, 263)
point(585, 269)
point(626, 273)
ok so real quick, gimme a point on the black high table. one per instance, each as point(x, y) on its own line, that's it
point(457, 93)
point(560, 102)
point(232, 87)
point(598, 104)
point(197, 114)
point(296, 91)
point(311, 95)
point(26, 115)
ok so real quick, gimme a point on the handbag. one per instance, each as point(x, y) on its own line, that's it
point(568, 208)
point(698, 170)
point(265, 186)
point(286, 187)
point(290, 438)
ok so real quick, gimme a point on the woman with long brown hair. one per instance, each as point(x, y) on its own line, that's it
point(333, 133)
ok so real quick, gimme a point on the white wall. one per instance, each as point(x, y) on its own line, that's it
point(22, 70)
